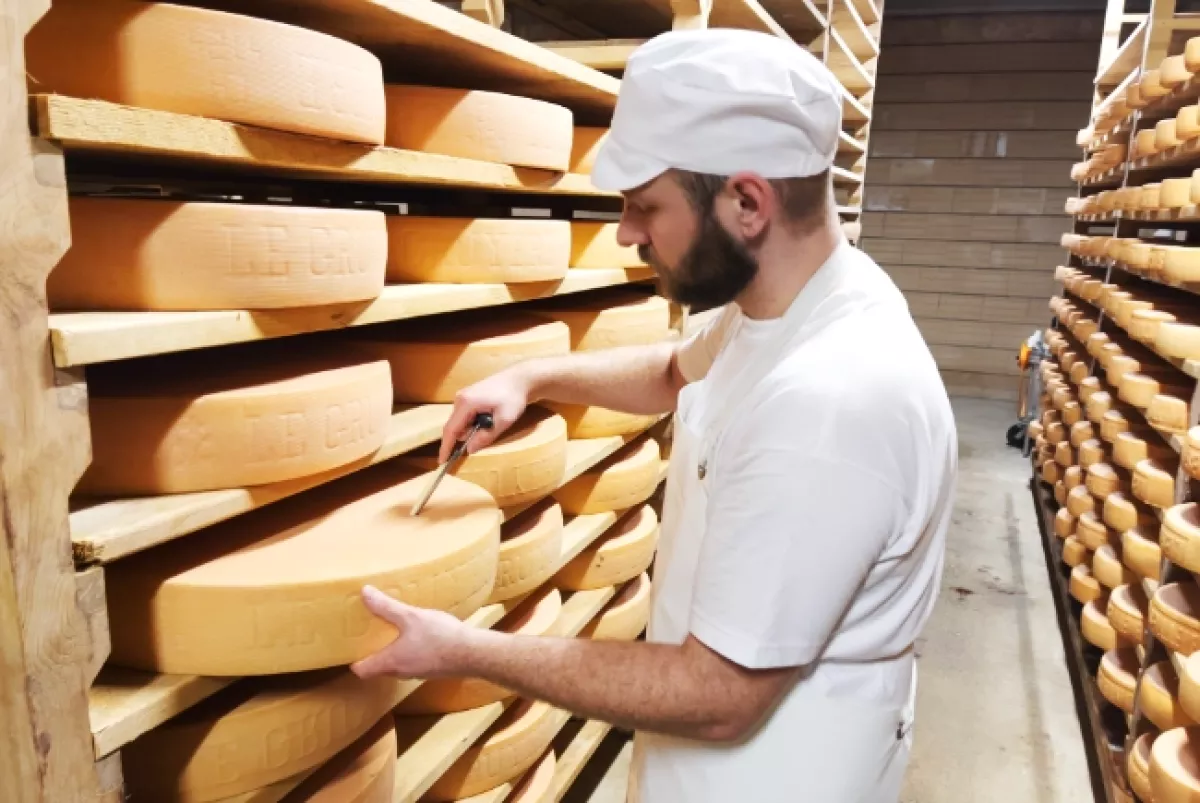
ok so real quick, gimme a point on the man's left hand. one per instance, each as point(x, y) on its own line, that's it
point(426, 646)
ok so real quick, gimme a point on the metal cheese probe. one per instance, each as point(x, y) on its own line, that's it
point(482, 421)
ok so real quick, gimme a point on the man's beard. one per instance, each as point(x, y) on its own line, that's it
point(714, 271)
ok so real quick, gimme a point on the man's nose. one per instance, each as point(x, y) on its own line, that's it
point(630, 234)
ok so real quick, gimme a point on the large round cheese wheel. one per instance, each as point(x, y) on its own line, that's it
point(1081, 431)
point(1091, 531)
point(1189, 686)
point(210, 64)
point(1103, 479)
point(1158, 697)
point(1117, 677)
point(530, 547)
point(620, 555)
point(1072, 413)
point(1175, 616)
point(585, 147)
point(628, 478)
point(1139, 389)
point(1064, 523)
point(1175, 766)
point(612, 319)
point(1178, 339)
point(476, 250)
point(1130, 448)
point(1074, 553)
point(1169, 410)
point(254, 735)
point(279, 589)
point(1180, 535)
point(1083, 586)
point(598, 422)
point(1080, 501)
point(1122, 512)
point(1180, 263)
point(535, 616)
point(1108, 568)
point(129, 254)
point(1073, 477)
point(1096, 630)
point(433, 359)
point(210, 421)
point(1099, 405)
point(1090, 453)
point(511, 746)
point(1154, 483)
point(1061, 396)
point(594, 245)
point(538, 784)
point(1056, 432)
point(1079, 370)
point(1126, 612)
point(626, 616)
point(1060, 491)
point(524, 465)
point(1138, 766)
point(362, 773)
point(474, 124)
point(1052, 472)
point(1190, 460)
point(1144, 323)
point(1064, 455)
point(1141, 553)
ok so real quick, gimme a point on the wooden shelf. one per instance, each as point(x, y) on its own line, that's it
point(107, 129)
point(848, 23)
point(1185, 155)
point(847, 67)
point(848, 144)
point(576, 756)
point(602, 54)
point(854, 113)
point(801, 19)
point(83, 338)
point(845, 177)
point(1109, 178)
point(849, 211)
point(747, 14)
point(867, 10)
point(1127, 60)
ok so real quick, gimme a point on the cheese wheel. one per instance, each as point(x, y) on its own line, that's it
point(1103, 479)
point(530, 547)
point(1189, 686)
point(1083, 586)
point(1174, 71)
point(626, 616)
point(129, 254)
point(628, 478)
point(1074, 553)
point(1090, 453)
point(1034, 430)
point(538, 784)
point(362, 773)
point(594, 245)
point(1061, 396)
point(1056, 433)
point(1079, 501)
point(254, 736)
point(1180, 535)
point(1144, 324)
point(511, 746)
point(1141, 553)
point(523, 466)
point(474, 124)
point(1173, 616)
point(1108, 569)
point(209, 64)
point(1158, 697)
point(620, 555)
point(1169, 410)
point(1064, 455)
point(1060, 492)
point(1121, 512)
point(1176, 193)
point(1187, 123)
point(1064, 523)
point(476, 250)
point(207, 421)
point(1179, 263)
point(535, 616)
point(1131, 448)
point(1099, 405)
point(613, 319)
point(1091, 531)
point(1165, 138)
point(1190, 460)
point(585, 147)
point(1154, 483)
point(432, 362)
point(1117, 677)
point(278, 589)
point(1079, 371)
point(1052, 472)
point(1145, 143)
point(1096, 630)
point(1174, 769)
point(1082, 431)
point(1126, 612)
point(1072, 413)
point(599, 422)
point(1073, 477)
point(1138, 767)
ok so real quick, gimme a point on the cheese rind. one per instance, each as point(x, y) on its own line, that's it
point(1158, 697)
point(210, 64)
point(1190, 461)
point(626, 616)
point(1094, 534)
point(620, 555)
point(1126, 612)
point(476, 250)
point(1154, 483)
point(530, 547)
point(1138, 767)
point(1174, 774)
point(1189, 687)
point(1074, 553)
point(598, 422)
point(1108, 569)
point(1180, 535)
point(1141, 553)
point(585, 147)
point(1083, 586)
point(363, 773)
point(1096, 630)
point(1117, 677)
point(1080, 501)
point(1064, 523)
point(594, 245)
point(1103, 480)
point(612, 320)
point(1175, 616)
point(628, 478)
point(1122, 512)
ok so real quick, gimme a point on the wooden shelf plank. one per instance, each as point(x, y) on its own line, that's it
point(573, 759)
point(615, 781)
point(603, 54)
point(849, 211)
point(82, 338)
point(747, 14)
point(1127, 60)
point(430, 745)
point(800, 18)
point(98, 127)
point(853, 111)
point(581, 608)
point(849, 24)
point(846, 177)
point(867, 10)
point(848, 144)
point(847, 67)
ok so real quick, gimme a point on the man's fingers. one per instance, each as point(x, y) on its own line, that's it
point(384, 606)
point(372, 666)
point(460, 421)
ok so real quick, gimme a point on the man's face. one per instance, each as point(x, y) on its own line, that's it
point(698, 262)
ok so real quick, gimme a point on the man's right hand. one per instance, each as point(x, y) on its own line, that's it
point(505, 395)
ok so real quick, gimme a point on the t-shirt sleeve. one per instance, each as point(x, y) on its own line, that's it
point(791, 536)
point(696, 353)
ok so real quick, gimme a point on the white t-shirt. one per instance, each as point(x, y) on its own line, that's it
point(828, 498)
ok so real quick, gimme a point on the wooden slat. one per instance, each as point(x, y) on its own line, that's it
point(847, 22)
point(854, 113)
point(438, 743)
point(97, 127)
point(607, 54)
point(847, 67)
point(573, 759)
point(849, 145)
point(125, 703)
point(1014, 27)
point(845, 177)
point(82, 338)
point(1127, 60)
point(800, 18)
point(580, 609)
point(747, 14)
point(868, 10)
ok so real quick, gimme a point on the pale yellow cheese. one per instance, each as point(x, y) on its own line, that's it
point(535, 616)
point(538, 784)
point(1154, 483)
point(1187, 123)
point(1177, 192)
point(1072, 413)
point(1121, 512)
point(1190, 461)
point(432, 360)
point(1180, 263)
point(1174, 71)
point(129, 254)
point(1108, 569)
point(474, 124)
point(1095, 629)
point(1083, 586)
point(1103, 479)
point(599, 422)
point(594, 245)
point(1079, 371)
point(1082, 431)
point(1079, 501)
point(1174, 768)
point(1064, 455)
point(1169, 411)
point(1139, 389)
point(625, 617)
point(620, 555)
point(1074, 553)
point(1060, 492)
point(585, 147)
point(1073, 477)
point(206, 421)
point(1138, 767)
point(628, 478)
point(524, 465)
point(1064, 523)
point(1178, 339)
point(1090, 453)
point(1145, 143)
point(210, 64)
point(1099, 405)
point(1126, 612)
point(1189, 686)
point(278, 589)
point(476, 250)
point(1056, 432)
point(1174, 613)
point(1091, 531)
point(1144, 324)
point(362, 773)
point(1164, 139)
point(611, 319)
point(1131, 448)
point(1117, 677)
point(1180, 535)
point(1140, 552)
point(1158, 697)
point(530, 547)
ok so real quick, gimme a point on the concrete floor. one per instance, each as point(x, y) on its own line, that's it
point(996, 718)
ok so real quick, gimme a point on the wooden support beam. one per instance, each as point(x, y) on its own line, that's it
point(690, 14)
point(490, 12)
point(602, 54)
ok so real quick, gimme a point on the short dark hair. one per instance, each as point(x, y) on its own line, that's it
point(803, 199)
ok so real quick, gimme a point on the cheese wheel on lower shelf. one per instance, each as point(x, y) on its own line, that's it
point(625, 617)
point(1052, 472)
point(1189, 686)
point(1175, 616)
point(1080, 501)
point(1072, 413)
point(585, 147)
point(474, 124)
point(533, 617)
point(476, 250)
point(1168, 411)
point(433, 359)
point(1117, 677)
point(1103, 479)
point(362, 773)
point(594, 245)
point(585, 422)
point(1178, 339)
point(1141, 553)
point(1074, 553)
point(1081, 431)
point(538, 784)
point(209, 421)
point(1131, 448)
point(611, 319)
point(523, 466)
point(1190, 460)
point(254, 735)
point(1144, 324)
point(628, 478)
point(1090, 453)
point(209, 64)
point(1065, 456)
point(620, 555)
point(1096, 630)
point(1139, 389)
point(1180, 535)
point(1154, 483)
point(1174, 769)
point(1099, 407)
point(510, 747)
point(279, 589)
point(1126, 612)
point(1083, 586)
point(1122, 512)
point(1073, 477)
point(1091, 531)
point(1056, 432)
point(1108, 568)
point(1064, 523)
point(1158, 697)
point(133, 254)
point(1179, 263)
point(1060, 491)
point(1138, 767)
point(530, 547)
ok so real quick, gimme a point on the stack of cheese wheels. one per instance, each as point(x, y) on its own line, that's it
point(1083, 586)
point(523, 466)
point(517, 741)
point(594, 245)
point(1174, 769)
point(585, 147)
point(254, 735)
point(210, 64)
point(432, 361)
point(1126, 612)
point(1096, 629)
point(625, 617)
point(530, 548)
point(223, 420)
point(474, 124)
point(621, 481)
point(476, 250)
point(536, 616)
point(1117, 677)
point(1154, 482)
point(1135, 445)
point(1180, 536)
point(1138, 767)
point(278, 589)
point(621, 554)
point(131, 254)
point(1175, 616)
point(362, 773)
point(1140, 551)
point(1158, 697)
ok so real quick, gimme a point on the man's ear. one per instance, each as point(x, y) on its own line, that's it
point(752, 204)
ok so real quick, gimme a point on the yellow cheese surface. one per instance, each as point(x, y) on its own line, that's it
point(362, 773)
point(1158, 696)
point(598, 422)
point(476, 250)
point(1168, 411)
point(1090, 452)
point(1117, 677)
point(1091, 530)
point(1064, 523)
point(626, 479)
point(1103, 479)
point(1138, 767)
point(612, 319)
point(620, 555)
point(1130, 448)
point(1108, 568)
point(1175, 616)
point(1180, 535)
point(1174, 770)
point(585, 147)
point(626, 616)
point(1080, 501)
point(1074, 553)
point(594, 245)
point(1081, 431)
point(530, 547)
point(1083, 586)
point(1141, 553)
point(1178, 339)
point(1189, 687)
point(1126, 612)
point(1190, 460)
point(1096, 630)
point(1123, 512)
point(1154, 482)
